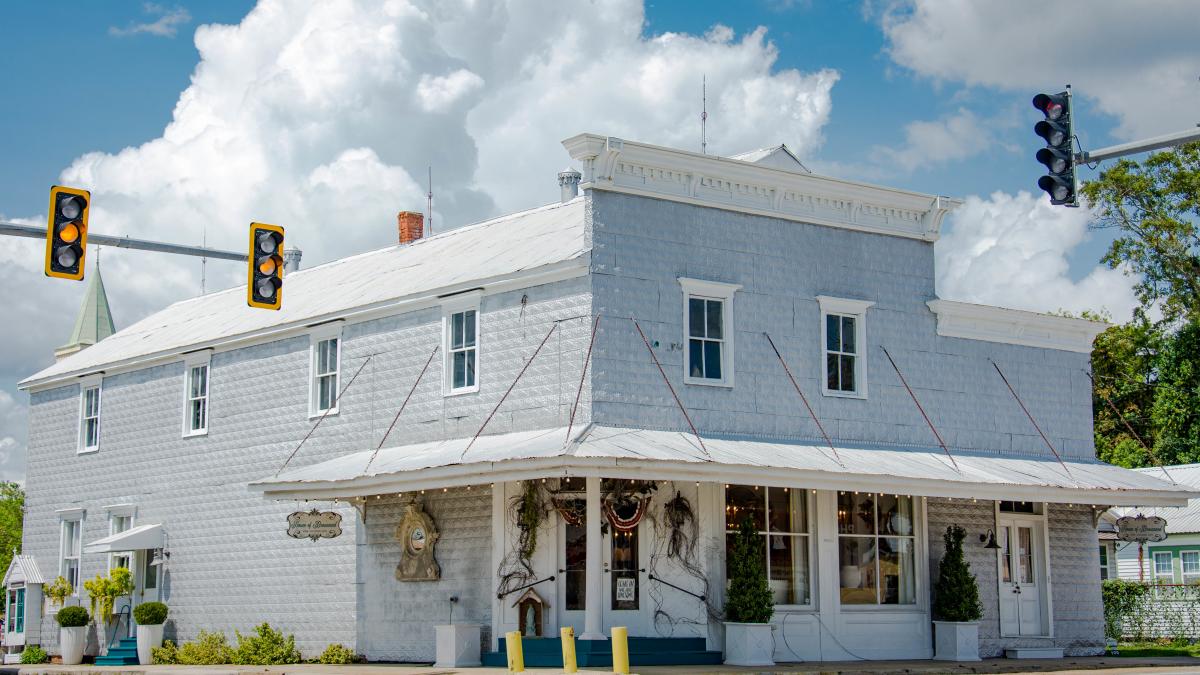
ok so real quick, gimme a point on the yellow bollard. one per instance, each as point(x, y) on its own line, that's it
point(568, 647)
point(620, 650)
point(516, 656)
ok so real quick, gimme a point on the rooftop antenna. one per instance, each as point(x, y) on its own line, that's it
point(703, 114)
point(429, 202)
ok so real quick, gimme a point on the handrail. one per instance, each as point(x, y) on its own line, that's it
point(126, 611)
point(500, 596)
point(664, 582)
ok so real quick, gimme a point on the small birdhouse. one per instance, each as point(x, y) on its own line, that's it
point(530, 609)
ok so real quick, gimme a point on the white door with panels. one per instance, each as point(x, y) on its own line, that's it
point(1021, 561)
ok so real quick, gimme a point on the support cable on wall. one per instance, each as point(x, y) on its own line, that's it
point(913, 396)
point(679, 403)
point(582, 377)
point(402, 407)
point(1124, 421)
point(804, 398)
point(1034, 422)
point(320, 419)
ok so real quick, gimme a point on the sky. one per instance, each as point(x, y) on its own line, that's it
point(188, 120)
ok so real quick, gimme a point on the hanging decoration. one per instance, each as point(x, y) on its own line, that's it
point(676, 535)
point(625, 512)
point(572, 511)
point(526, 512)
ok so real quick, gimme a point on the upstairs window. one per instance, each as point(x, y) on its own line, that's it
point(843, 338)
point(326, 341)
point(195, 397)
point(460, 340)
point(708, 332)
point(89, 417)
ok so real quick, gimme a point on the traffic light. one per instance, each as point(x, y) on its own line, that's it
point(66, 232)
point(1058, 132)
point(264, 286)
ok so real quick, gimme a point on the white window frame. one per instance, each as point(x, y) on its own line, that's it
point(316, 336)
point(1183, 572)
point(121, 511)
point(87, 384)
point(857, 309)
point(722, 292)
point(810, 542)
point(1170, 575)
point(191, 361)
point(75, 516)
point(458, 304)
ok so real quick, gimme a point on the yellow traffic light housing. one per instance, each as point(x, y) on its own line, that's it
point(66, 232)
point(264, 279)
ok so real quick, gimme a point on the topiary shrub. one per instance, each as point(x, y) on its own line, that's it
point(72, 617)
point(150, 614)
point(338, 655)
point(209, 649)
point(34, 654)
point(956, 595)
point(266, 647)
point(749, 599)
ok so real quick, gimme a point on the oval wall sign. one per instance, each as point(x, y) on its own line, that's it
point(1141, 528)
point(314, 525)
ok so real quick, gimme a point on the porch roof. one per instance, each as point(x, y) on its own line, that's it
point(23, 569)
point(614, 452)
point(134, 539)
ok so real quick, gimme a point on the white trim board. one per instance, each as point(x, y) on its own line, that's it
point(1014, 326)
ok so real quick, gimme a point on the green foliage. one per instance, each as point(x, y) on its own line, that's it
point(71, 617)
point(104, 591)
point(209, 649)
point(338, 655)
point(749, 598)
point(150, 614)
point(956, 595)
point(530, 512)
point(1176, 410)
point(58, 590)
point(34, 654)
point(266, 647)
point(12, 516)
point(167, 654)
point(1122, 600)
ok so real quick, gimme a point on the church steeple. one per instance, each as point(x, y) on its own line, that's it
point(94, 322)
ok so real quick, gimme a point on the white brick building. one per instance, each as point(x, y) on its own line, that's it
point(179, 427)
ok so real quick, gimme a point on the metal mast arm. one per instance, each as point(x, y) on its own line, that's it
point(15, 230)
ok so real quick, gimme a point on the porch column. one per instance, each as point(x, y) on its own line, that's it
point(593, 624)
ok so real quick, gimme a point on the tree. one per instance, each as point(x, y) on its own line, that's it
point(1176, 410)
point(1156, 206)
point(1123, 360)
point(12, 517)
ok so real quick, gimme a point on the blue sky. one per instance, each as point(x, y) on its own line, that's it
point(189, 119)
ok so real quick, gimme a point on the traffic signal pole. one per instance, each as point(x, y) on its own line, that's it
point(1166, 141)
point(15, 230)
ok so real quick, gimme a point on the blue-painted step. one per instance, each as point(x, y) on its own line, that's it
point(547, 652)
point(124, 653)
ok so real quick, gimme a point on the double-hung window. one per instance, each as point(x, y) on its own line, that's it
point(195, 396)
point(89, 415)
point(876, 549)
point(460, 328)
point(326, 368)
point(708, 332)
point(780, 516)
point(119, 521)
point(1164, 572)
point(843, 344)
point(1104, 562)
point(71, 543)
point(1189, 565)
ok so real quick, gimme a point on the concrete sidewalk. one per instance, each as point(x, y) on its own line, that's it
point(1065, 666)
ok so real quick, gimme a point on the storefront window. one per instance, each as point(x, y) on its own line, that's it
point(781, 516)
point(876, 548)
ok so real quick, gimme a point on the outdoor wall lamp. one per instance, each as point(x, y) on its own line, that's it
point(990, 538)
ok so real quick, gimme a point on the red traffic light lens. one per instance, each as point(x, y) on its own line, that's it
point(1053, 110)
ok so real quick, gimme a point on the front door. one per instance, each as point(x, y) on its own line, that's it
point(1022, 576)
point(572, 575)
point(624, 583)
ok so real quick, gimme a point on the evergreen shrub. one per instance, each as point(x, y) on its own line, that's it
point(72, 617)
point(749, 599)
point(266, 647)
point(956, 595)
point(150, 614)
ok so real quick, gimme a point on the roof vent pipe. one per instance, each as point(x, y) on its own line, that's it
point(291, 259)
point(568, 184)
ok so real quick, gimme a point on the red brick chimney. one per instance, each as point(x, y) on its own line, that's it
point(411, 225)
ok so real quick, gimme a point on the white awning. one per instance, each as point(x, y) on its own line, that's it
point(134, 539)
point(666, 455)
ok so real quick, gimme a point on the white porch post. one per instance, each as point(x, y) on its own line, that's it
point(593, 624)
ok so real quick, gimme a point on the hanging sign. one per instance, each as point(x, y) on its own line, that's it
point(1141, 528)
point(626, 589)
point(314, 525)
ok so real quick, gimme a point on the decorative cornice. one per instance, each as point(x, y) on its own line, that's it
point(618, 165)
point(1013, 326)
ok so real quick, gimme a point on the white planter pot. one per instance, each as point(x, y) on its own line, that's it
point(148, 637)
point(749, 644)
point(955, 641)
point(457, 645)
point(71, 641)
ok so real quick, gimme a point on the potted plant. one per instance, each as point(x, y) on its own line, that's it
point(58, 591)
point(104, 592)
point(72, 634)
point(150, 617)
point(748, 604)
point(956, 606)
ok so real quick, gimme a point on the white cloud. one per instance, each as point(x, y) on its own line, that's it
point(323, 117)
point(1011, 251)
point(930, 142)
point(166, 25)
point(1136, 60)
point(13, 433)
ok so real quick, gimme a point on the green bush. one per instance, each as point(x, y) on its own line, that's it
point(167, 654)
point(209, 649)
point(956, 595)
point(338, 655)
point(34, 654)
point(266, 647)
point(1122, 601)
point(150, 614)
point(749, 599)
point(71, 617)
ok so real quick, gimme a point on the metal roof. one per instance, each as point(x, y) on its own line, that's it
point(644, 453)
point(1180, 520)
point(25, 569)
point(482, 253)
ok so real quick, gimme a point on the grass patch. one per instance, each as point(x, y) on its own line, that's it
point(1146, 649)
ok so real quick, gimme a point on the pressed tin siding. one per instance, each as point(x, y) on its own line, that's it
point(232, 565)
point(397, 618)
point(641, 246)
